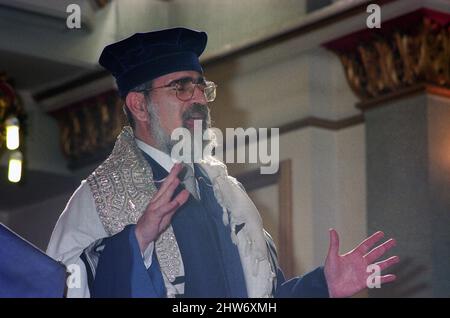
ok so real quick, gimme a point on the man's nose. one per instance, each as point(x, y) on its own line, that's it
point(199, 96)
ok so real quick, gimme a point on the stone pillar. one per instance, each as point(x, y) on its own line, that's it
point(408, 189)
point(402, 75)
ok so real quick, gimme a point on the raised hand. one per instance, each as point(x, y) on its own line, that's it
point(158, 214)
point(347, 274)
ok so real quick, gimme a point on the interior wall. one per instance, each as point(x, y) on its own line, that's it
point(279, 85)
point(230, 24)
point(35, 222)
point(4, 218)
point(338, 188)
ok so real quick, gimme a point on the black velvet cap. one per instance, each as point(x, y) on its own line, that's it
point(145, 56)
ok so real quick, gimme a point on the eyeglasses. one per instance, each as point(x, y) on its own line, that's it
point(185, 88)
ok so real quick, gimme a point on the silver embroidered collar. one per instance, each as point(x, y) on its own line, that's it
point(122, 185)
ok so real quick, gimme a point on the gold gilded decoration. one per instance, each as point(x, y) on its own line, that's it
point(89, 128)
point(387, 63)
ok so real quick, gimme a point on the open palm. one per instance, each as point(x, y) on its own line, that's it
point(347, 274)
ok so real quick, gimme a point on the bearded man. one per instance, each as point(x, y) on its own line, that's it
point(142, 225)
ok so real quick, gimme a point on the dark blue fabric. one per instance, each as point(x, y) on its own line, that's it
point(231, 260)
point(211, 261)
point(311, 285)
point(121, 271)
point(154, 272)
point(145, 56)
point(25, 271)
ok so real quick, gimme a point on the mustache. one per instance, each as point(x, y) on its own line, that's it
point(195, 110)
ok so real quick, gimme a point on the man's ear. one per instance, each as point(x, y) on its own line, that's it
point(137, 105)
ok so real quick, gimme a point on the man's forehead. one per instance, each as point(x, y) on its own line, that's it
point(165, 79)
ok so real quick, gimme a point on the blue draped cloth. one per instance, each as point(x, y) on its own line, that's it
point(25, 271)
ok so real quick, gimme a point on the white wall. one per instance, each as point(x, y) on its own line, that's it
point(279, 85)
point(338, 188)
point(266, 199)
point(329, 190)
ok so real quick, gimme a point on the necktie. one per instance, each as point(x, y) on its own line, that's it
point(189, 181)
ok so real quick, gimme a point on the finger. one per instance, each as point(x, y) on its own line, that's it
point(167, 195)
point(388, 262)
point(387, 278)
point(379, 251)
point(178, 201)
point(167, 208)
point(182, 197)
point(165, 221)
point(169, 179)
point(334, 243)
point(367, 244)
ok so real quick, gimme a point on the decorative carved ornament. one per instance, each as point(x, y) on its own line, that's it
point(406, 51)
point(89, 128)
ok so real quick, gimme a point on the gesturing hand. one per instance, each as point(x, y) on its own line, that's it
point(347, 274)
point(158, 214)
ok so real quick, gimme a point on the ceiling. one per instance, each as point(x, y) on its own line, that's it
point(35, 73)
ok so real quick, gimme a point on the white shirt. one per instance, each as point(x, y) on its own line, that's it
point(160, 157)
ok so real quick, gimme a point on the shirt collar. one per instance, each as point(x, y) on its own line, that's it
point(160, 157)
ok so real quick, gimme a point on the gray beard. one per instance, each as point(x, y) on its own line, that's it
point(163, 141)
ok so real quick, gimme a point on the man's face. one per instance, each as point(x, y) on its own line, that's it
point(170, 112)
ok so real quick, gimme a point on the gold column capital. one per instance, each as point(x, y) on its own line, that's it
point(410, 50)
